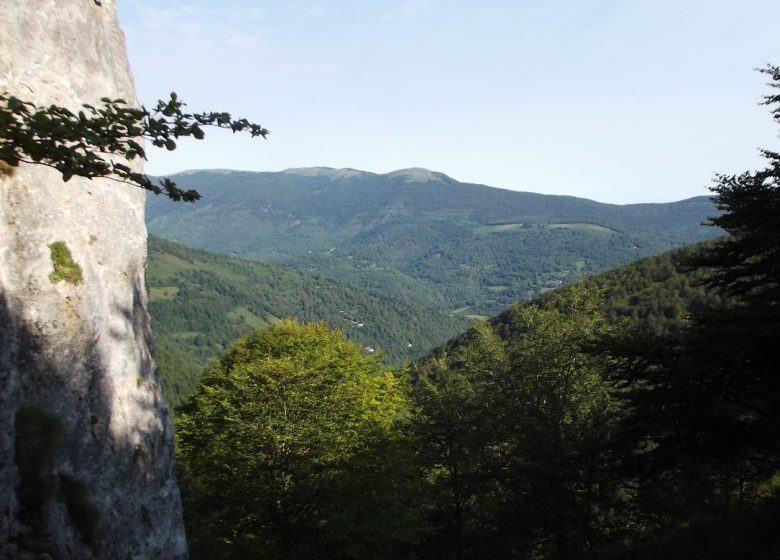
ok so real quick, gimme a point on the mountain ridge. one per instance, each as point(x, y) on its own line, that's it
point(324, 170)
point(421, 234)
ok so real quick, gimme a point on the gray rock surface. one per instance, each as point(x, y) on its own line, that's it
point(78, 357)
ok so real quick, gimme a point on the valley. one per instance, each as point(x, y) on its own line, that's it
point(202, 302)
point(400, 262)
point(545, 346)
point(421, 236)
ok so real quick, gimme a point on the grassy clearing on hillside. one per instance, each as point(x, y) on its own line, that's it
point(498, 228)
point(165, 266)
point(244, 314)
point(586, 227)
point(163, 292)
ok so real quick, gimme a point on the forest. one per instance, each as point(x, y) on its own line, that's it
point(534, 435)
point(629, 415)
point(201, 303)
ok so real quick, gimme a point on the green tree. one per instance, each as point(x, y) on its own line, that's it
point(518, 437)
point(291, 449)
point(461, 446)
point(718, 385)
point(562, 415)
point(100, 141)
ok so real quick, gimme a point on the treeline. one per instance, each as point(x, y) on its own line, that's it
point(544, 434)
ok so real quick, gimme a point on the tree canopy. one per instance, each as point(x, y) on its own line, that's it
point(100, 141)
point(288, 450)
point(704, 404)
point(516, 436)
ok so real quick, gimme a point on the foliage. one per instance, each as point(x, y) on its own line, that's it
point(101, 141)
point(746, 267)
point(65, 268)
point(200, 303)
point(461, 446)
point(487, 489)
point(289, 448)
point(722, 375)
point(529, 451)
point(566, 417)
point(747, 263)
point(518, 435)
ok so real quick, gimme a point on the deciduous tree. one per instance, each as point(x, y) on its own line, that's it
point(101, 140)
point(290, 449)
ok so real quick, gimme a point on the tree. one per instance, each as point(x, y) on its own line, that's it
point(100, 141)
point(746, 264)
point(518, 435)
point(706, 403)
point(291, 449)
point(461, 445)
point(719, 385)
point(562, 418)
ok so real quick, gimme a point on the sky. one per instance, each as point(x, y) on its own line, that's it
point(619, 101)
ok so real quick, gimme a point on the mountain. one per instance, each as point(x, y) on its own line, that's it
point(201, 303)
point(419, 235)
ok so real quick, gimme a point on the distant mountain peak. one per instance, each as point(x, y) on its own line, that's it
point(324, 171)
point(410, 175)
point(418, 175)
point(196, 171)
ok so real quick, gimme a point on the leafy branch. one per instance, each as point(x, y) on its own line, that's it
point(98, 141)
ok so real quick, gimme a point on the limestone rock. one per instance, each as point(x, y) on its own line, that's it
point(86, 447)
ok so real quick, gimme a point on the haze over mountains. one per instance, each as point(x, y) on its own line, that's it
point(419, 235)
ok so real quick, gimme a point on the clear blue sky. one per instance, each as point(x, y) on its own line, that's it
point(614, 100)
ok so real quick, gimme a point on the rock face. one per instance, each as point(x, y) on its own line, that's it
point(86, 448)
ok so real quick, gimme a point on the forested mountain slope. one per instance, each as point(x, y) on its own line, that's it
point(654, 294)
point(201, 303)
point(651, 434)
point(420, 235)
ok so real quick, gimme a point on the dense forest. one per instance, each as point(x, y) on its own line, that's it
point(552, 372)
point(201, 302)
point(630, 415)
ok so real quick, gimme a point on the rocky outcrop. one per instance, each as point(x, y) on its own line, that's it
point(86, 449)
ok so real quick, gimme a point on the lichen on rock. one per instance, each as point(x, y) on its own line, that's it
point(65, 268)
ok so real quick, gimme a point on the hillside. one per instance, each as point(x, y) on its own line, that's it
point(201, 303)
point(655, 295)
point(420, 235)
